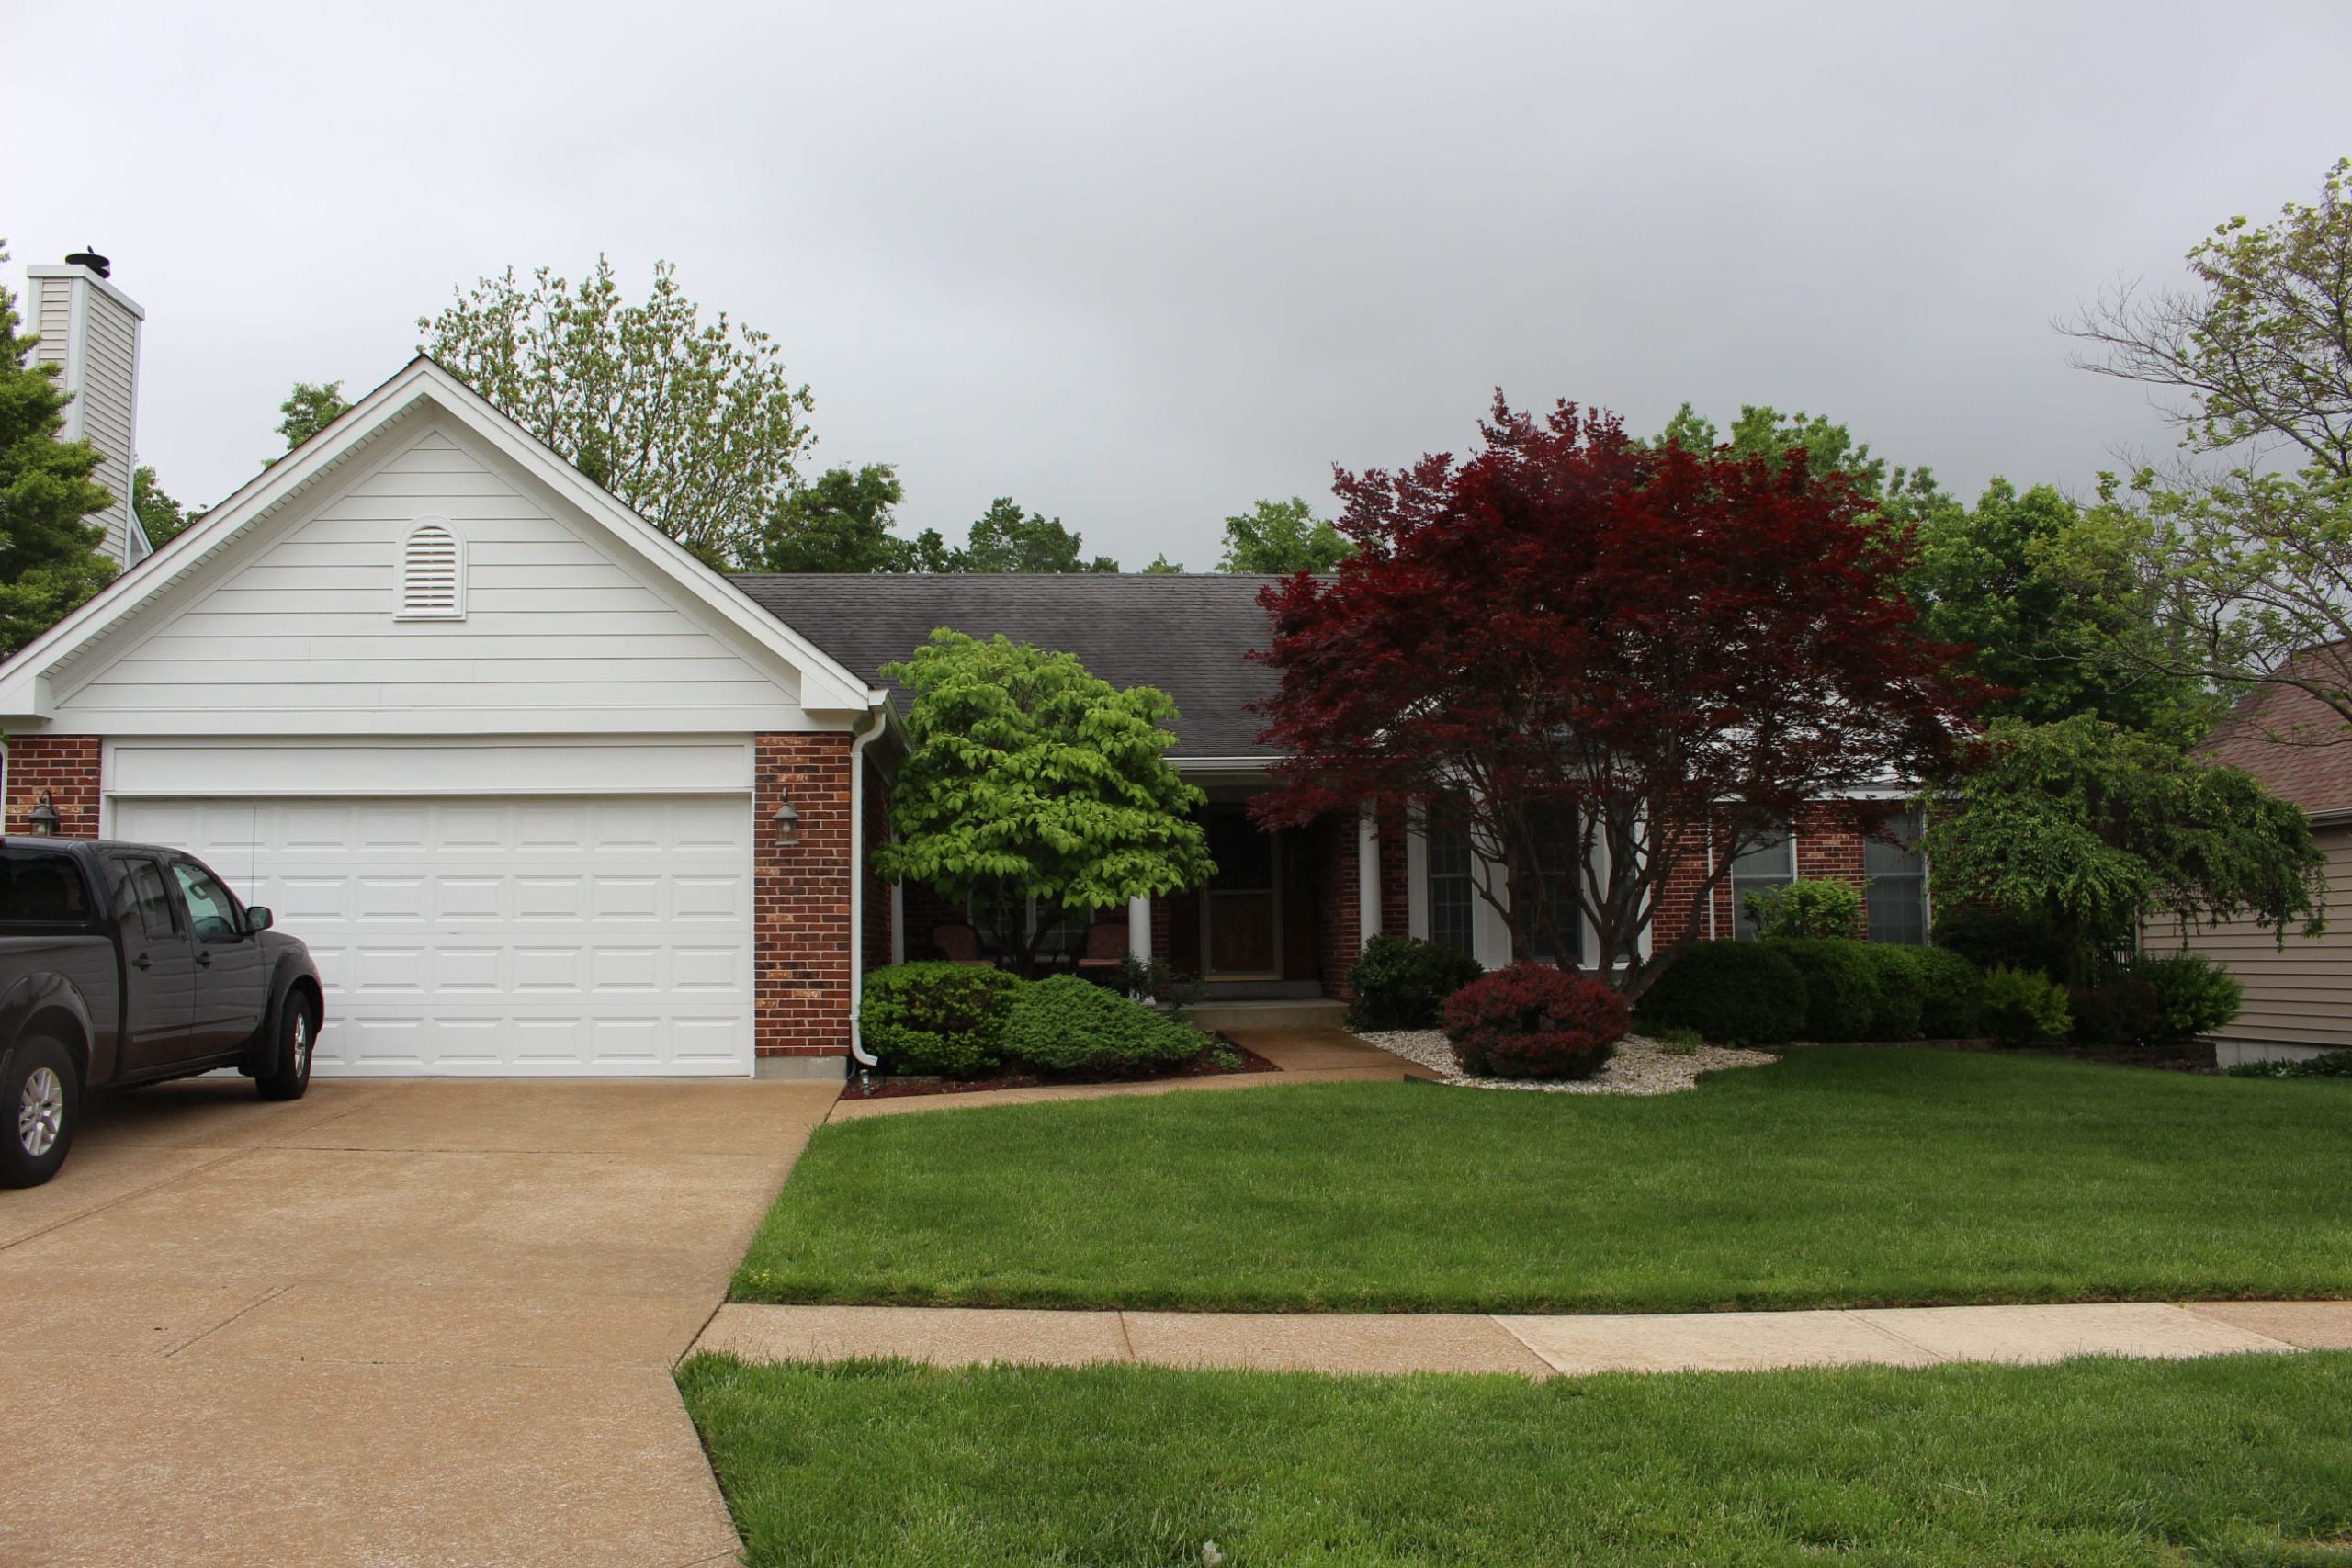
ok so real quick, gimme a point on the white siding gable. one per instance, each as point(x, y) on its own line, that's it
point(299, 631)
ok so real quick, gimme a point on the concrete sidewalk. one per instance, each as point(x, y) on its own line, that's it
point(1534, 1346)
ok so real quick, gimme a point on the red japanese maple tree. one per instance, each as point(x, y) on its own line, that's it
point(1571, 628)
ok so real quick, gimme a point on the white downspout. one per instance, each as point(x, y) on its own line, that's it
point(864, 735)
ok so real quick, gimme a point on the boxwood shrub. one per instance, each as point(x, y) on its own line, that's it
point(1533, 1021)
point(1402, 983)
point(1953, 1008)
point(1840, 987)
point(1733, 993)
point(2194, 995)
point(1065, 1024)
point(2025, 1007)
point(938, 1018)
point(1902, 990)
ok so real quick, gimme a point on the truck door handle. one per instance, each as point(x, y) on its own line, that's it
point(204, 956)
point(140, 963)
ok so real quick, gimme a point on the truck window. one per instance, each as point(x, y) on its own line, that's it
point(142, 895)
point(40, 888)
point(211, 913)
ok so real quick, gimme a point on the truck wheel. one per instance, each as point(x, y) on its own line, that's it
point(290, 1070)
point(42, 1098)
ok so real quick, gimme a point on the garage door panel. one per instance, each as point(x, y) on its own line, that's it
point(488, 935)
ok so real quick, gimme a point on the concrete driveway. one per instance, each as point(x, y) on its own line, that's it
point(422, 1322)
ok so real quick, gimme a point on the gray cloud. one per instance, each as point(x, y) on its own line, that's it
point(1137, 265)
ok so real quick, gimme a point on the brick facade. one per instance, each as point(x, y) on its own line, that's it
point(801, 892)
point(67, 767)
point(1338, 902)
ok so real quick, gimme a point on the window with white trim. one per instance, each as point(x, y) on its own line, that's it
point(1772, 863)
point(433, 575)
point(1894, 874)
point(1554, 879)
point(1448, 873)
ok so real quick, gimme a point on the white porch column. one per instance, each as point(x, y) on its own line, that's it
point(1367, 877)
point(898, 922)
point(1139, 929)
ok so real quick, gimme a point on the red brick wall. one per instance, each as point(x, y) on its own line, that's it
point(1396, 885)
point(1337, 900)
point(877, 913)
point(801, 935)
point(65, 765)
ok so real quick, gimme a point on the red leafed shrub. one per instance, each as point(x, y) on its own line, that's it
point(1531, 1021)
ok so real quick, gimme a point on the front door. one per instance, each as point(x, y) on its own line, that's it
point(230, 988)
point(1242, 910)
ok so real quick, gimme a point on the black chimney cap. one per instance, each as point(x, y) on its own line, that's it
point(92, 260)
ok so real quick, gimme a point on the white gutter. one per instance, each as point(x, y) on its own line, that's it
point(869, 728)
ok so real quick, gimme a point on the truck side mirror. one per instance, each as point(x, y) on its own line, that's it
point(258, 917)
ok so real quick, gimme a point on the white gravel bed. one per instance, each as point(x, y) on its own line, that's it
point(1640, 1067)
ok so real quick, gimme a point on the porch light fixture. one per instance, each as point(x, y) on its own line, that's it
point(44, 817)
point(787, 823)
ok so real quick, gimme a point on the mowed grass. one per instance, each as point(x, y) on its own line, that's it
point(1839, 1176)
point(2233, 1461)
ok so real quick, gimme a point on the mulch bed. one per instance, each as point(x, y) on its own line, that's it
point(2192, 1057)
point(1201, 1067)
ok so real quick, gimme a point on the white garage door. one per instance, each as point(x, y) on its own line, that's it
point(499, 936)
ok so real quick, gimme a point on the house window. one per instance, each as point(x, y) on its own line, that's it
point(1772, 863)
point(1554, 879)
point(1447, 840)
point(433, 575)
point(1001, 924)
point(1895, 873)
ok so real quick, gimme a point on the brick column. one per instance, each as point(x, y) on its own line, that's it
point(67, 766)
point(801, 936)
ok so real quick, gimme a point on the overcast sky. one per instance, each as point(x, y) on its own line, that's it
point(1137, 265)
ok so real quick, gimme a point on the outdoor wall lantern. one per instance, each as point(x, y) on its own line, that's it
point(786, 821)
point(44, 817)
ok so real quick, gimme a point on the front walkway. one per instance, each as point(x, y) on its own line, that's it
point(417, 1322)
point(1534, 1346)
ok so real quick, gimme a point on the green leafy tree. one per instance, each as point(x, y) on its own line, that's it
point(1761, 431)
point(2043, 592)
point(2093, 830)
point(1006, 538)
point(162, 518)
point(2252, 534)
point(309, 408)
point(1162, 567)
point(49, 559)
point(841, 521)
point(695, 425)
point(1278, 537)
point(1032, 778)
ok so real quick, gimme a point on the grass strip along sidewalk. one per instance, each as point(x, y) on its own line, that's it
point(2235, 1460)
point(1840, 1176)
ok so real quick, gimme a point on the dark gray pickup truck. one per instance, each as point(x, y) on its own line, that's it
point(124, 963)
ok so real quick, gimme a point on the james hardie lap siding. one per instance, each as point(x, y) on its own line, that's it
point(2301, 996)
point(301, 634)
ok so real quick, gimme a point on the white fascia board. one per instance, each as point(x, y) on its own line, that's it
point(825, 685)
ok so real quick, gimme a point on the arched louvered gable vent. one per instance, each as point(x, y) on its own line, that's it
point(433, 575)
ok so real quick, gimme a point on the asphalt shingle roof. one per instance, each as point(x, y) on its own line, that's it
point(2315, 773)
point(1188, 635)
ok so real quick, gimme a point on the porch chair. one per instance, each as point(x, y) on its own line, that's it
point(959, 944)
point(1105, 950)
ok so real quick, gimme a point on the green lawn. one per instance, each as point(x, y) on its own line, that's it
point(1839, 1176)
point(2235, 1460)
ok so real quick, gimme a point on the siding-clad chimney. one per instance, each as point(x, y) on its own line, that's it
point(90, 329)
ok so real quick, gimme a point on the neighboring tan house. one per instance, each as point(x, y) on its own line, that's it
point(2297, 995)
point(545, 795)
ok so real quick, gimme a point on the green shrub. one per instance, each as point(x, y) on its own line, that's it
point(2327, 1064)
point(1399, 983)
point(1840, 987)
point(2193, 995)
point(937, 1017)
point(1953, 1008)
point(1902, 990)
point(1803, 909)
point(1067, 1025)
point(1995, 939)
point(1534, 1020)
point(2120, 1010)
point(2024, 1007)
point(1735, 993)
point(1680, 1041)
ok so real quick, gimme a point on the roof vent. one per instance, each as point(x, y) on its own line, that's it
point(433, 575)
point(92, 260)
